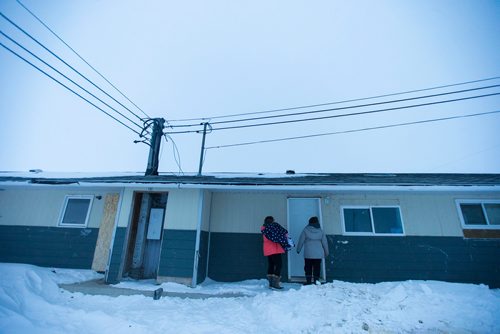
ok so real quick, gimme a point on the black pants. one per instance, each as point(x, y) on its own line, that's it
point(312, 268)
point(274, 264)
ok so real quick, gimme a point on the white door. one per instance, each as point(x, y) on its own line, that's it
point(299, 212)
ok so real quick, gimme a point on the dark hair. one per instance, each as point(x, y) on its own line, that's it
point(314, 220)
point(268, 220)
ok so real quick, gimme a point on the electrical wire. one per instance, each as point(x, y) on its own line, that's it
point(77, 54)
point(342, 115)
point(358, 106)
point(71, 67)
point(343, 108)
point(71, 90)
point(337, 102)
point(72, 81)
point(354, 130)
point(176, 154)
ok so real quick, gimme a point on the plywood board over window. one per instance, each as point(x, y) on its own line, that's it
point(106, 228)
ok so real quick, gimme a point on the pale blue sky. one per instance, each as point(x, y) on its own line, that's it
point(194, 59)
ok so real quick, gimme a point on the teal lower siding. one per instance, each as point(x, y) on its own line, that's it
point(238, 256)
point(177, 253)
point(48, 246)
point(113, 274)
point(451, 259)
point(203, 258)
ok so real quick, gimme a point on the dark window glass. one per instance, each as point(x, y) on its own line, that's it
point(357, 220)
point(76, 211)
point(473, 214)
point(493, 213)
point(387, 220)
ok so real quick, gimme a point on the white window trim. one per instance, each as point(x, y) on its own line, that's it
point(480, 202)
point(372, 221)
point(63, 211)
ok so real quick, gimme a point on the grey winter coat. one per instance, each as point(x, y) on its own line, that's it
point(313, 239)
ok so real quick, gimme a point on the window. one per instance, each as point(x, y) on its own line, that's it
point(480, 214)
point(372, 220)
point(76, 211)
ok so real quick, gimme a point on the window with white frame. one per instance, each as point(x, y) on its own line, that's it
point(372, 220)
point(76, 211)
point(479, 214)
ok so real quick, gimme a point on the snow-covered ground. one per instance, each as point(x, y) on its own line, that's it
point(32, 302)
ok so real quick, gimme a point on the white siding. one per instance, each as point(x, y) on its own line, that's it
point(430, 215)
point(126, 209)
point(238, 212)
point(42, 206)
point(207, 204)
point(182, 209)
point(423, 213)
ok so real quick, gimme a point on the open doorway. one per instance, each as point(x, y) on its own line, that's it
point(145, 235)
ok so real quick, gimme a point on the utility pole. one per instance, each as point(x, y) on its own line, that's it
point(202, 147)
point(154, 146)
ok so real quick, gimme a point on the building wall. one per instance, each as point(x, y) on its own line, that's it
point(29, 231)
point(244, 212)
point(207, 205)
point(113, 274)
point(182, 209)
point(423, 214)
point(433, 246)
point(231, 244)
point(42, 206)
point(179, 237)
point(451, 259)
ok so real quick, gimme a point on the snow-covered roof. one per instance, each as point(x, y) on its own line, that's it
point(258, 179)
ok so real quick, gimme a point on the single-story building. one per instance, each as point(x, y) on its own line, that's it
point(185, 228)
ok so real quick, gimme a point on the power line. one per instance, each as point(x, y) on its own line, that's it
point(344, 115)
point(76, 53)
point(337, 102)
point(60, 73)
point(354, 130)
point(71, 90)
point(71, 67)
point(344, 108)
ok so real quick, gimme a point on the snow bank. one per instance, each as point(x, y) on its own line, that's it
point(31, 302)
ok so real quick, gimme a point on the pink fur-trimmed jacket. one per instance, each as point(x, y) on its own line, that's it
point(270, 247)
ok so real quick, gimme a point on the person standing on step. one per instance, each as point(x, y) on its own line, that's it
point(313, 239)
point(275, 243)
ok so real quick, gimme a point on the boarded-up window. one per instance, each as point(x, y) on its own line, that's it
point(76, 210)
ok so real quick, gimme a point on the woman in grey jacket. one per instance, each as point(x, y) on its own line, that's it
point(313, 239)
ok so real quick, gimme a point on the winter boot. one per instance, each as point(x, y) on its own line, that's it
point(270, 280)
point(308, 280)
point(275, 283)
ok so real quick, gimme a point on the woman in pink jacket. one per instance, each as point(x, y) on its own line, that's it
point(275, 241)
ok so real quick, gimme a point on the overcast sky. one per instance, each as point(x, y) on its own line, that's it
point(205, 59)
